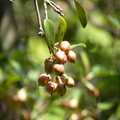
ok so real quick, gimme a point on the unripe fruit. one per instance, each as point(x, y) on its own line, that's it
point(43, 79)
point(69, 82)
point(65, 46)
point(61, 89)
point(51, 87)
point(58, 69)
point(61, 57)
point(48, 64)
point(71, 56)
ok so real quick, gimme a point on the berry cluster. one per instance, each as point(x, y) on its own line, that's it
point(54, 79)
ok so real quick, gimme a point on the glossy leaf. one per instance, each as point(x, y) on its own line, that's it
point(81, 14)
point(49, 33)
point(76, 45)
point(62, 28)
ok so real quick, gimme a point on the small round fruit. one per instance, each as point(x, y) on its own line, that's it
point(48, 64)
point(61, 89)
point(58, 69)
point(51, 87)
point(61, 57)
point(43, 79)
point(73, 103)
point(65, 46)
point(69, 82)
point(71, 56)
point(94, 92)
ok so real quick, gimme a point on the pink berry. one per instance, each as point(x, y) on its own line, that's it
point(58, 69)
point(69, 82)
point(51, 87)
point(48, 64)
point(43, 79)
point(61, 89)
point(71, 56)
point(65, 46)
point(61, 57)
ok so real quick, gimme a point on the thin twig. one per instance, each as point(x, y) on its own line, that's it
point(55, 7)
point(12, 1)
point(45, 8)
point(41, 32)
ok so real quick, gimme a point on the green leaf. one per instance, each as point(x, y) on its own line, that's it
point(62, 28)
point(1, 74)
point(16, 67)
point(118, 111)
point(49, 33)
point(81, 14)
point(105, 105)
point(114, 21)
point(80, 44)
point(12, 78)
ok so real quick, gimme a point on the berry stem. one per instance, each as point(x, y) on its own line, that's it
point(59, 79)
point(56, 48)
point(52, 77)
point(65, 75)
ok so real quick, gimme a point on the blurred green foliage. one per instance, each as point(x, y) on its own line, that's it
point(96, 95)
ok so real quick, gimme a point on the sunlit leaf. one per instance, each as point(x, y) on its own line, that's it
point(76, 45)
point(62, 28)
point(81, 14)
point(49, 33)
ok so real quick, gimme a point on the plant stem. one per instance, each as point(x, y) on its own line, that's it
point(59, 79)
point(55, 7)
point(41, 32)
point(45, 8)
point(52, 77)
